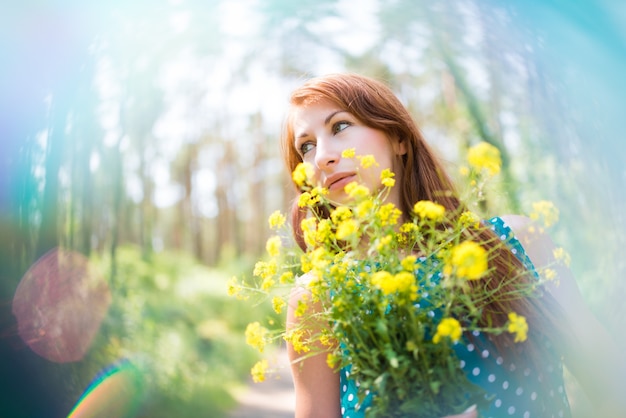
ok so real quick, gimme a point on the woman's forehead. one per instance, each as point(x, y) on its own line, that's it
point(317, 112)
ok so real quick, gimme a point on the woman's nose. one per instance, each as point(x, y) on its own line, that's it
point(326, 154)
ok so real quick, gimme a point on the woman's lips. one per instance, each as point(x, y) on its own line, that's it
point(340, 182)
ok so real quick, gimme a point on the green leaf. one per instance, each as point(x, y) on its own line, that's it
point(435, 386)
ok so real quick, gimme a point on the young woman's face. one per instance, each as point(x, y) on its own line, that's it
point(322, 131)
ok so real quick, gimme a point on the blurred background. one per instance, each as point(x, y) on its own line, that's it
point(139, 162)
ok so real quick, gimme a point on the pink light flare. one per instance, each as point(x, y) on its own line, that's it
point(59, 305)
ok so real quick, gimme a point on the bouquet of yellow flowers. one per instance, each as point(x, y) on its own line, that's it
point(394, 292)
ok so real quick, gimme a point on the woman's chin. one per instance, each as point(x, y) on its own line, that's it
point(340, 198)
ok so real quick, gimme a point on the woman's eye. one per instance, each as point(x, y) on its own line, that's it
point(340, 126)
point(306, 147)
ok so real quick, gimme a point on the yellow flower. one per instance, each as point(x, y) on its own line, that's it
point(388, 283)
point(386, 178)
point(340, 214)
point(386, 174)
point(367, 161)
point(550, 275)
point(468, 260)
point(518, 326)
point(448, 327)
point(388, 182)
point(273, 246)
point(562, 256)
point(356, 191)
point(297, 339)
point(233, 286)
point(258, 371)
point(267, 283)
point(302, 173)
point(308, 224)
point(364, 208)
point(302, 306)
point(327, 340)
point(308, 199)
point(485, 156)
point(348, 153)
point(408, 262)
point(256, 336)
point(316, 285)
point(469, 219)
point(426, 209)
point(324, 231)
point(332, 360)
point(235, 289)
point(320, 258)
point(309, 229)
point(464, 171)
point(276, 220)
point(265, 269)
point(319, 191)
point(305, 263)
point(382, 281)
point(405, 282)
point(278, 304)
point(546, 212)
point(388, 214)
point(408, 233)
point(340, 266)
point(384, 243)
point(347, 229)
point(286, 277)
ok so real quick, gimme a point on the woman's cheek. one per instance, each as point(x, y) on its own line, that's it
point(316, 181)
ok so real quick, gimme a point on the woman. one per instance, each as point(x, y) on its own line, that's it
point(345, 111)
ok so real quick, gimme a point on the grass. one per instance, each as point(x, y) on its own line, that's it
point(173, 320)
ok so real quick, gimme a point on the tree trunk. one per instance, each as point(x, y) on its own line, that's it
point(49, 229)
point(117, 191)
point(480, 122)
point(254, 241)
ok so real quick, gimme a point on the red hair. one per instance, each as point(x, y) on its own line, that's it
point(376, 106)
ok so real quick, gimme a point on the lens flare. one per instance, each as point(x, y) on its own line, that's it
point(59, 305)
point(117, 391)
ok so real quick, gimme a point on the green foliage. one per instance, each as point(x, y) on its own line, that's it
point(390, 296)
point(172, 319)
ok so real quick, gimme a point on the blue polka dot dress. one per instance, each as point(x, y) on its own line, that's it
point(516, 390)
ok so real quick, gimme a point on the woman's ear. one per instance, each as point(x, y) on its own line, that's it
point(399, 146)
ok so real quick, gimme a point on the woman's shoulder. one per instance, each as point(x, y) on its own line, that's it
point(535, 241)
point(516, 222)
point(526, 239)
point(518, 228)
point(301, 290)
point(509, 228)
point(304, 280)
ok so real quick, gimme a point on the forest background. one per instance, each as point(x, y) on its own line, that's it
point(139, 157)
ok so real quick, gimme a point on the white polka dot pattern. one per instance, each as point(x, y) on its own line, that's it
point(515, 390)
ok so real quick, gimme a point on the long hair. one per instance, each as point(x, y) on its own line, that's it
point(422, 177)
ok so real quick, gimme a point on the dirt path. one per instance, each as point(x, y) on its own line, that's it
point(273, 398)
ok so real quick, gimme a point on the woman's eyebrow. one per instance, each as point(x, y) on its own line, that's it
point(304, 134)
point(330, 116)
